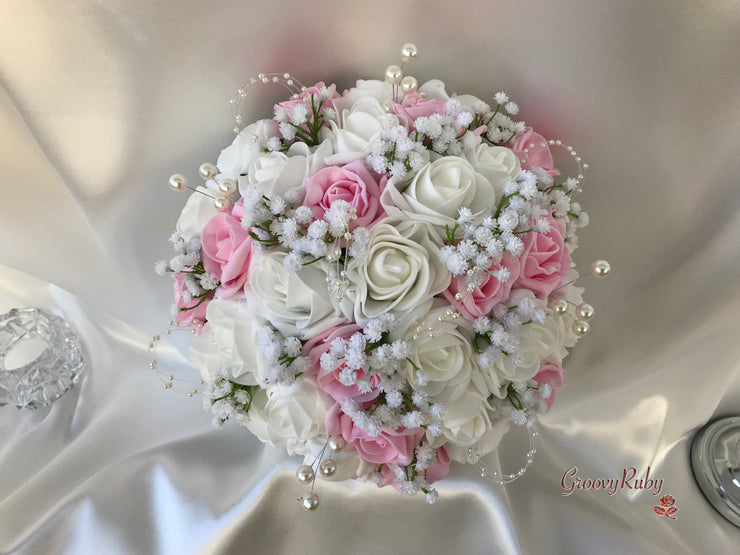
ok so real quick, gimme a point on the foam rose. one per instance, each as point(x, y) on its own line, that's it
point(288, 416)
point(437, 192)
point(351, 183)
point(488, 294)
point(399, 271)
point(545, 260)
point(196, 309)
point(537, 153)
point(328, 380)
point(415, 106)
point(295, 303)
point(553, 375)
point(390, 446)
point(227, 250)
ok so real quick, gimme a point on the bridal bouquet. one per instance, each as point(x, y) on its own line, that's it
point(386, 272)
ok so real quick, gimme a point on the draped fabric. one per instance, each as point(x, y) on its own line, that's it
point(101, 101)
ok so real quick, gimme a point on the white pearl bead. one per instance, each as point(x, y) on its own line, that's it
point(336, 443)
point(409, 52)
point(310, 501)
point(585, 311)
point(178, 182)
point(327, 468)
point(560, 306)
point(388, 106)
point(600, 268)
point(227, 186)
point(393, 74)
point(222, 204)
point(207, 170)
point(581, 328)
point(408, 84)
point(305, 474)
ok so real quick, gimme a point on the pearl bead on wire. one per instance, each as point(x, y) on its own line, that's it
point(208, 170)
point(600, 269)
point(178, 182)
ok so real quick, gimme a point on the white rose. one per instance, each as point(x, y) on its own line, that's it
point(358, 126)
point(399, 272)
point(294, 303)
point(289, 416)
point(437, 192)
point(467, 423)
point(196, 213)
point(234, 160)
point(370, 88)
point(435, 90)
point(496, 163)
point(446, 358)
point(279, 173)
point(229, 339)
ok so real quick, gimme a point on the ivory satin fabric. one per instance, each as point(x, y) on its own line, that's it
point(102, 101)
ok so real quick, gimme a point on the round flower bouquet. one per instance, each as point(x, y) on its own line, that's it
point(380, 280)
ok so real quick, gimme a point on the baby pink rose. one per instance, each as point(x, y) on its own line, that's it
point(553, 375)
point(328, 380)
point(196, 313)
point(227, 250)
point(414, 106)
point(545, 260)
point(485, 296)
point(289, 104)
point(438, 470)
point(352, 183)
point(537, 155)
point(390, 446)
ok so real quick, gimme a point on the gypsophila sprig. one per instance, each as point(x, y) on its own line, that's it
point(387, 282)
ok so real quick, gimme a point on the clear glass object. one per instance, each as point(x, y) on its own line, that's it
point(715, 458)
point(40, 358)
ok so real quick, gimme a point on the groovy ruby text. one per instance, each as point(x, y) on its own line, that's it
point(629, 480)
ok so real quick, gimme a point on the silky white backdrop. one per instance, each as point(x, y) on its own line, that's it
point(102, 101)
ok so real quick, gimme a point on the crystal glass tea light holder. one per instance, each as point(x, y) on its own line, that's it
point(41, 357)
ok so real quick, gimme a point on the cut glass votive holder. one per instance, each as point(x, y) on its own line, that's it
point(40, 358)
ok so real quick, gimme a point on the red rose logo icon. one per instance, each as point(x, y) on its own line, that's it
point(666, 507)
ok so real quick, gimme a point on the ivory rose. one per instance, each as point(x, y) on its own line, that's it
point(295, 303)
point(234, 160)
point(496, 163)
point(229, 341)
point(288, 416)
point(446, 359)
point(467, 423)
point(399, 271)
point(437, 192)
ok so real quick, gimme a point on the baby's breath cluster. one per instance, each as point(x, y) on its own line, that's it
point(281, 356)
point(500, 127)
point(447, 133)
point(225, 399)
point(395, 152)
point(196, 284)
point(302, 118)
